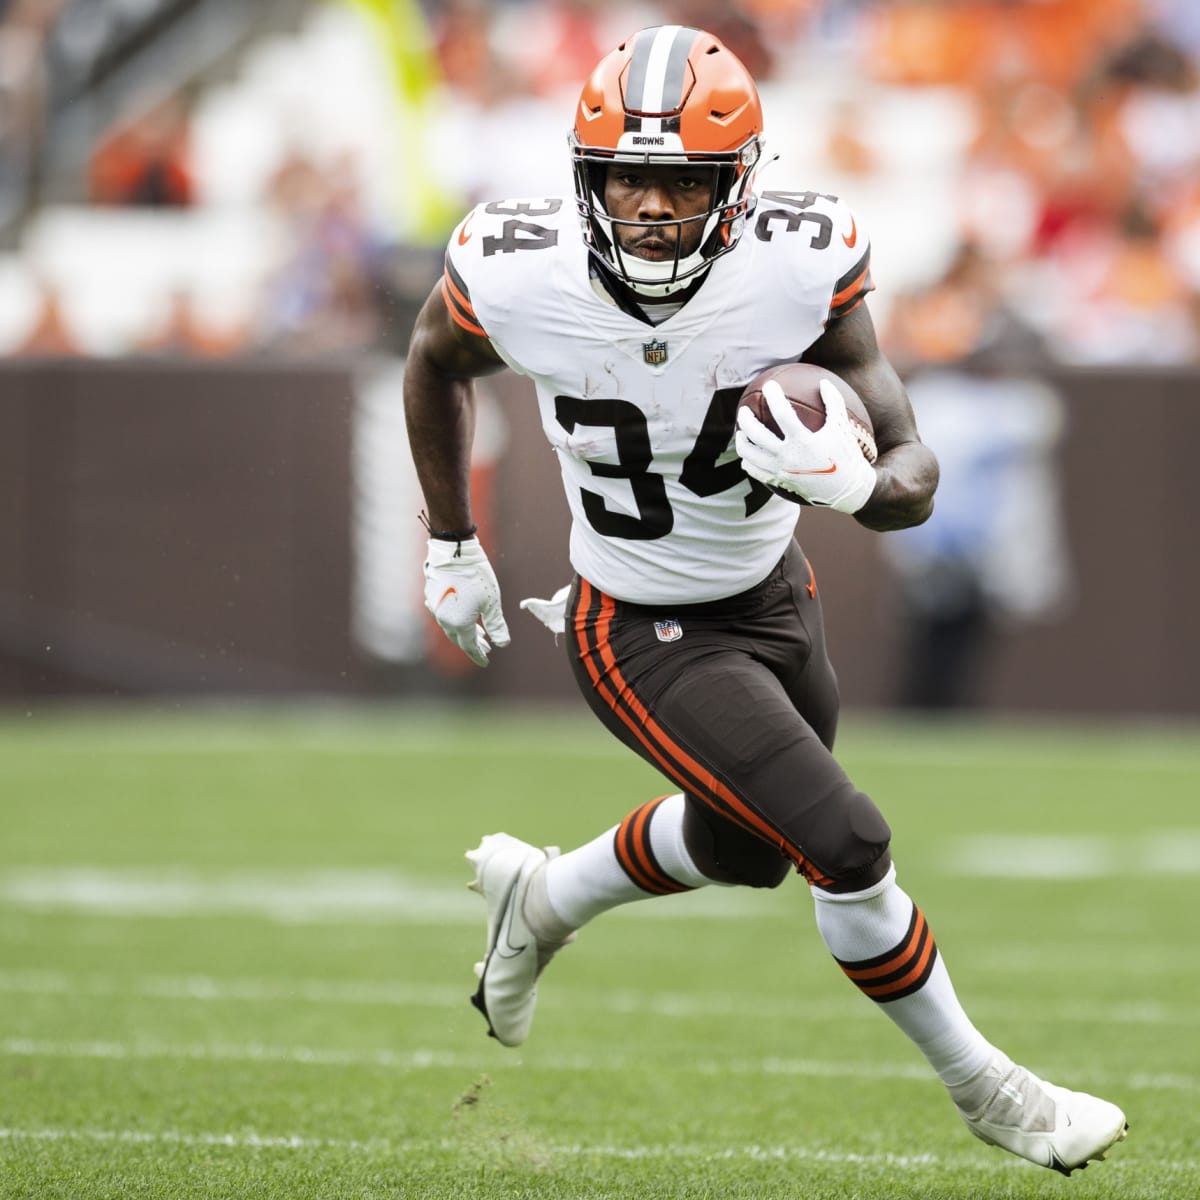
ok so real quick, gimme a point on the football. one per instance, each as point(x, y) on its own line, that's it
point(801, 384)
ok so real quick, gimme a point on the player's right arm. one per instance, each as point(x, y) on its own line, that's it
point(447, 351)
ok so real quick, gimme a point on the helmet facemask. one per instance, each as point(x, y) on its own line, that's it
point(720, 224)
point(675, 96)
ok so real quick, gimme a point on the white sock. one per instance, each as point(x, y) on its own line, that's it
point(643, 856)
point(881, 940)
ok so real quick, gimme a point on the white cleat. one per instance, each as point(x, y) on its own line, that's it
point(514, 958)
point(1005, 1105)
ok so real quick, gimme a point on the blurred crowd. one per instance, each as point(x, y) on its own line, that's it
point(1075, 193)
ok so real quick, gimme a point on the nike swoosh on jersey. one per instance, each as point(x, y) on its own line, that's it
point(464, 237)
point(851, 238)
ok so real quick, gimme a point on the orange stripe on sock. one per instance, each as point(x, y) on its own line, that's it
point(642, 847)
point(631, 865)
point(895, 961)
point(884, 990)
point(900, 971)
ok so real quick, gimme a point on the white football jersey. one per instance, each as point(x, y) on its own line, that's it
point(641, 416)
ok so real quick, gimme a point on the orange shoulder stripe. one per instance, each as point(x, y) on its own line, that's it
point(460, 318)
point(852, 289)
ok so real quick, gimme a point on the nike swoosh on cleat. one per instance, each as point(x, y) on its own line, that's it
point(504, 946)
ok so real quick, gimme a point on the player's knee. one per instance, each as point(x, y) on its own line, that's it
point(726, 853)
point(851, 844)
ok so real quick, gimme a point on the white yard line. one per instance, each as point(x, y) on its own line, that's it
point(321, 896)
point(416, 1148)
point(388, 994)
point(425, 1059)
point(671, 1151)
point(364, 896)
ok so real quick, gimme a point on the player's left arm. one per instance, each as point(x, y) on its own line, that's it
point(906, 470)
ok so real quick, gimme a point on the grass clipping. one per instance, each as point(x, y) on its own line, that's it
point(494, 1134)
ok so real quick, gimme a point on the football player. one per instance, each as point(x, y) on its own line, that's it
point(641, 308)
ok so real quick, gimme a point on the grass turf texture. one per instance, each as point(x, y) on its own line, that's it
point(235, 957)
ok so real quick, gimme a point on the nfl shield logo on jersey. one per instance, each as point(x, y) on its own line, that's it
point(668, 631)
point(655, 353)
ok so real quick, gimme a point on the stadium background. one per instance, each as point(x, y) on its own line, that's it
point(218, 221)
point(239, 767)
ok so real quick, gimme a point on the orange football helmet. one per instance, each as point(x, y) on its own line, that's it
point(668, 95)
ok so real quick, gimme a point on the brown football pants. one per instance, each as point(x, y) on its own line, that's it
point(736, 702)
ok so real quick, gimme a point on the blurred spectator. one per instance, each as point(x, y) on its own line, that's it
point(946, 321)
point(1080, 190)
point(848, 151)
point(461, 39)
point(25, 28)
point(49, 336)
point(966, 43)
point(553, 44)
point(1137, 305)
point(146, 160)
point(183, 332)
point(994, 553)
point(736, 27)
point(325, 294)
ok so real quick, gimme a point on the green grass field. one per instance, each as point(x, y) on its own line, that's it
point(236, 947)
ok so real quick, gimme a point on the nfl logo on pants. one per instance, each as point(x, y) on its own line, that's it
point(668, 631)
point(655, 353)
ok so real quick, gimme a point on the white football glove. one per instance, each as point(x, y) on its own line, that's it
point(553, 612)
point(462, 593)
point(826, 467)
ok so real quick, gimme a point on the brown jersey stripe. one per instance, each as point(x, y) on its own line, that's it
point(460, 300)
point(843, 310)
point(459, 282)
point(462, 317)
point(636, 854)
point(851, 295)
point(679, 766)
point(844, 286)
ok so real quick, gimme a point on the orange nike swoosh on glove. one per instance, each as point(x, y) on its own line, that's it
point(822, 471)
point(450, 591)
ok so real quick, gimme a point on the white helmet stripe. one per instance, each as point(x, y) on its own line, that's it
point(657, 75)
point(654, 99)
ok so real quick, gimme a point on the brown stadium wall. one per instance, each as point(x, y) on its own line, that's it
point(169, 529)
